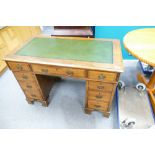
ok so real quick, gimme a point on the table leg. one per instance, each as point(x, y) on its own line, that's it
point(141, 78)
point(151, 83)
point(152, 99)
point(149, 86)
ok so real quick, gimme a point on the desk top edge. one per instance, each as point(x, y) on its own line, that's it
point(117, 66)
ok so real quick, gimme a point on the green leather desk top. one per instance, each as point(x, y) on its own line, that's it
point(81, 50)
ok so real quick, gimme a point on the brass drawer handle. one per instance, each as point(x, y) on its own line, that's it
point(33, 95)
point(101, 77)
point(99, 96)
point(100, 87)
point(44, 70)
point(70, 73)
point(97, 106)
point(19, 67)
point(28, 86)
point(25, 77)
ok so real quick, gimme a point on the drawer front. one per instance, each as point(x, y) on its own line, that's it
point(102, 106)
point(107, 87)
point(41, 69)
point(70, 72)
point(33, 94)
point(28, 85)
point(27, 76)
point(102, 76)
point(99, 96)
point(15, 66)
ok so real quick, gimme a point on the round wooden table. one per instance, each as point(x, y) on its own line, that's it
point(141, 44)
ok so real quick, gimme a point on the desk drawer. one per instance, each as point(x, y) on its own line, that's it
point(24, 76)
point(107, 87)
point(41, 69)
point(99, 96)
point(28, 85)
point(103, 76)
point(71, 72)
point(103, 106)
point(49, 70)
point(35, 94)
point(17, 66)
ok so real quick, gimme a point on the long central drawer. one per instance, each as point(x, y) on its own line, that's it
point(64, 71)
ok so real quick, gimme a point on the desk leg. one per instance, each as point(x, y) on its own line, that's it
point(106, 114)
point(87, 111)
point(29, 101)
point(44, 103)
point(149, 86)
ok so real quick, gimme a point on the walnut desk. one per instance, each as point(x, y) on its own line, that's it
point(39, 63)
